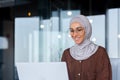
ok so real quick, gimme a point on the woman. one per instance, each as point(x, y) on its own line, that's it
point(85, 60)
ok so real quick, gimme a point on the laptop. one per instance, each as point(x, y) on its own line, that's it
point(42, 71)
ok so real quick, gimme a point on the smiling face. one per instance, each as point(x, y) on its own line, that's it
point(77, 32)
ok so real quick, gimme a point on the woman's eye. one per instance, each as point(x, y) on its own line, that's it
point(71, 30)
point(79, 29)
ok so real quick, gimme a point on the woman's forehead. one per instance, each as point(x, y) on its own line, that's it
point(76, 24)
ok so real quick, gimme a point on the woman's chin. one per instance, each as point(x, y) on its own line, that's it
point(77, 42)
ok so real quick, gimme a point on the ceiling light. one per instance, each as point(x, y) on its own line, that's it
point(119, 36)
point(59, 36)
point(69, 13)
point(69, 35)
point(42, 26)
point(94, 39)
point(29, 13)
point(91, 21)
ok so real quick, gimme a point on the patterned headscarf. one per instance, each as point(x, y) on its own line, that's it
point(87, 48)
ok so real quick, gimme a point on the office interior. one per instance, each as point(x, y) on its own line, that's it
point(38, 30)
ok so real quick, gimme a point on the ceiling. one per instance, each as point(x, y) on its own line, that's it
point(10, 3)
point(87, 7)
point(44, 7)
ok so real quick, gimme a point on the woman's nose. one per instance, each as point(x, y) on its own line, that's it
point(74, 33)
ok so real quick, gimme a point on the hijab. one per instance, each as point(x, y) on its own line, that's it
point(87, 48)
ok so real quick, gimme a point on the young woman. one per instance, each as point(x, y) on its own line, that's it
point(85, 60)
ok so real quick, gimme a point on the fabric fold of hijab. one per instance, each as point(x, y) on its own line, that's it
point(87, 48)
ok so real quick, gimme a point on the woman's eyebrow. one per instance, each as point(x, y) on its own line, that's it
point(79, 27)
point(70, 28)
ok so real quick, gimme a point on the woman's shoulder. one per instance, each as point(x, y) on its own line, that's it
point(102, 54)
point(66, 50)
point(101, 48)
point(101, 51)
point(65, 54)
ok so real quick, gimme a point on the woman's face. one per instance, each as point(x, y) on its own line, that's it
point(77, 32)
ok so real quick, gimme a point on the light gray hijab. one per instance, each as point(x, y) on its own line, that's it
point(87, 48)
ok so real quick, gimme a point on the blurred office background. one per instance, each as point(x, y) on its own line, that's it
point(42, 31)
point(38, 30)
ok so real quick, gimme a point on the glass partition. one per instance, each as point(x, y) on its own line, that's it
point(114, 32)
point(45, 40)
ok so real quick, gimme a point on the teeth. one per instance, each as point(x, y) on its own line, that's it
point(77, 38)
